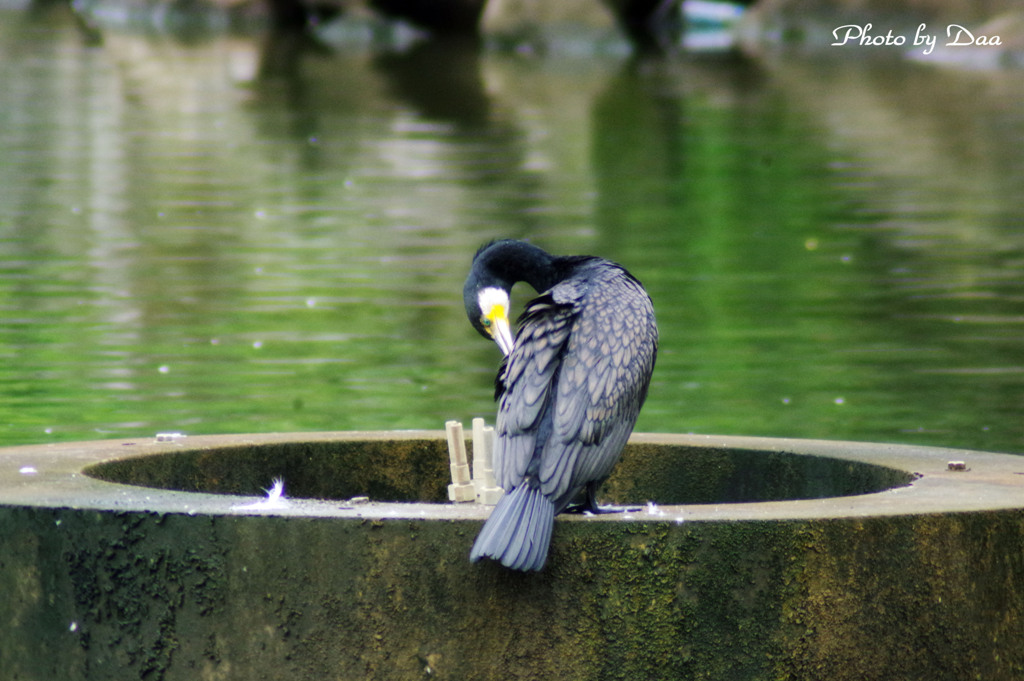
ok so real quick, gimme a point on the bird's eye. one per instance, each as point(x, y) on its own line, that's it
point(485, 321)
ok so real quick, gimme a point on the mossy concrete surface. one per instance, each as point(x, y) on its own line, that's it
point(100, 580)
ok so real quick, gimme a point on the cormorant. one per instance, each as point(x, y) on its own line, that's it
point(570, 386)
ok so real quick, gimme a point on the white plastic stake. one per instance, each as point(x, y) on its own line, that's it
point(487, 490)
point(461, 488)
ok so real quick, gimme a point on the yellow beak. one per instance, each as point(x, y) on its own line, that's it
point(500, 330)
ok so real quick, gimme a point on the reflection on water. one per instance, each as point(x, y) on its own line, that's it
point(245, 234)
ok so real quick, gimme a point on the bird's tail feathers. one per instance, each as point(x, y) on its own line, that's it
point(518, 531)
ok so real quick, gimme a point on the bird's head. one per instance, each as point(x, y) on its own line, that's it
point(487, 308)
point(497, 266)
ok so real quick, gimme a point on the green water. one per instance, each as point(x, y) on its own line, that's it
point(243, 235)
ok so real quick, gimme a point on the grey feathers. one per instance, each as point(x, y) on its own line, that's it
point(578, 374)
point(518, 531)
point(569, 391)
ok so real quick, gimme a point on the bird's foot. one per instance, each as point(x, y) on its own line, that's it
point(594, 509)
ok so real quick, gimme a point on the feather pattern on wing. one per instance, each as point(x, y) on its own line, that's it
point(573, 385)
point(525, 385)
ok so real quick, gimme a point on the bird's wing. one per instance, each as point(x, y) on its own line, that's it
point(574, 384)
point(525, 384)
point(602, 383)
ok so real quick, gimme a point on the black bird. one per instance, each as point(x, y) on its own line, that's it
point(570, 387)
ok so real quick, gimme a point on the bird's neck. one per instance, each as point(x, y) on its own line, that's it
point(521, 261)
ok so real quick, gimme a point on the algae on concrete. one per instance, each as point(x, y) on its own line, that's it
point(105, 580)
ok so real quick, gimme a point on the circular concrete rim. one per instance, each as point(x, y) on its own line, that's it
point(51, 475)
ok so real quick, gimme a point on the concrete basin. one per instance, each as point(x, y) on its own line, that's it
point(756, 559)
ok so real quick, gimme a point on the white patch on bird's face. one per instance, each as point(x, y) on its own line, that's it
point(494, 306)
point(493, 302)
